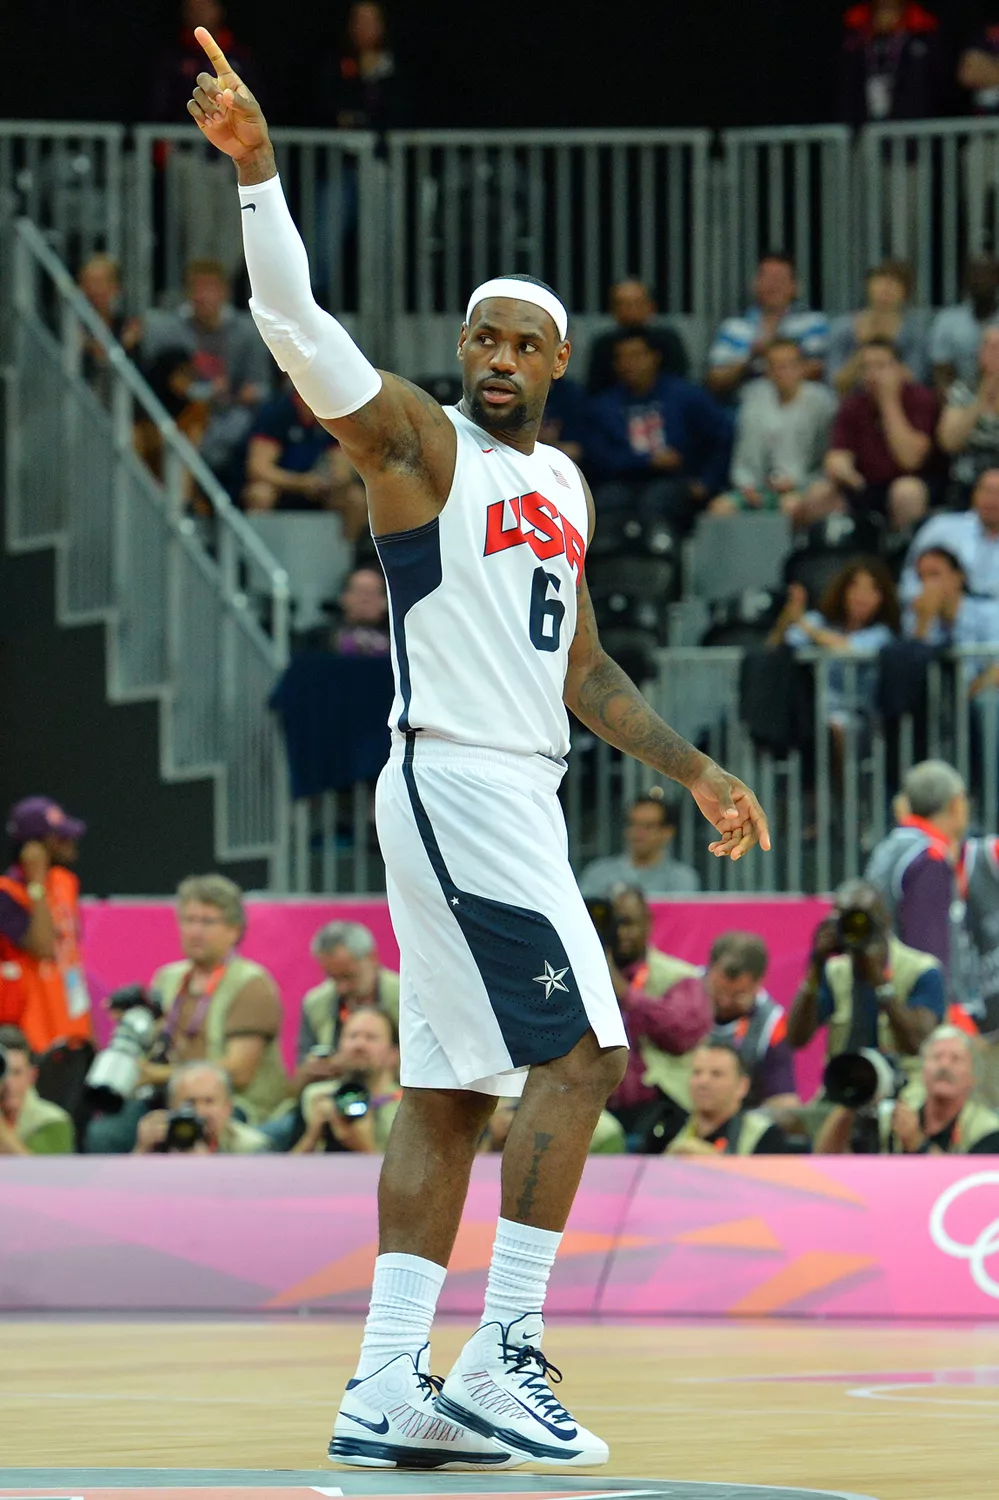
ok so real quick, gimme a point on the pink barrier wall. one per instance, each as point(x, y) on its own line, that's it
point(808, 1237)
point(127, 940)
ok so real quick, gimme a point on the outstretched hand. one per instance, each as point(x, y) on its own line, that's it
point(223, 108)
point(732, 810)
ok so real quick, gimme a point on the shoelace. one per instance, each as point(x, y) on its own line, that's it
point(532, 1364)
point(430, 1385)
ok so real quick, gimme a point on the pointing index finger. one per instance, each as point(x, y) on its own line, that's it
point(223, 72)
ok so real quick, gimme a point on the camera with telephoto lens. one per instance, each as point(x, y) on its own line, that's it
point(862, 1080)
point(352, 1099)
point(856, 929)
point(114, 1073)
point(185, 1130)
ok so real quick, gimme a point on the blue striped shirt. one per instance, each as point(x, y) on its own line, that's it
point(734, 339)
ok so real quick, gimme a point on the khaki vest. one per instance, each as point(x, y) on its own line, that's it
point(269, 1087)
point(662, 1069)
point(36, 1113)
point(242, 1140)
point(755, 1124)
point(907, 965)
point(320, 1006)
point(974, 1122)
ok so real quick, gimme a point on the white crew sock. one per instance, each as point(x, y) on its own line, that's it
point(403, 1302)
point(518, 1273)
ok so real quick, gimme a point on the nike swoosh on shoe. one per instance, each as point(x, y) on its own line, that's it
point(379, 1427)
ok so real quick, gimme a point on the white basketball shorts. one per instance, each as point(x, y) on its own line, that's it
point(501, 966)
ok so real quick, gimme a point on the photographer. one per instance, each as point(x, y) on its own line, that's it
point(749, 1019)
point(720, 1123)
point(347, 954)
point(199, 1120)
point(29, 1126)
point(950, 1121)
point(665, 1013)
point(355, 1111)
point(870, 989)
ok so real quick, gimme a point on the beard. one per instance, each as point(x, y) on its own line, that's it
point(497, 419)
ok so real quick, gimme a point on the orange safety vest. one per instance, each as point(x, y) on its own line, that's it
point(56, 1005)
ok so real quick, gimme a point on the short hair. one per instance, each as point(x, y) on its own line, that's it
point(719, 1044)
point(630, 335)
point(740, 953)
point(656, 797)
point(879, 341)
point(372, 1010)
point(947, 1033)
point(931, 786)
point(624, 888)
point(950, 558)
point(106, 262)
point(857, 892)
point(897, 270)
point(218, 891)
point(187, 1070)
point(354, 936)
point(783, 342)
point(779, 255)
point(206, 267)
point(13, 1039)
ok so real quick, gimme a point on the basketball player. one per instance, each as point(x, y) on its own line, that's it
point(482, 533)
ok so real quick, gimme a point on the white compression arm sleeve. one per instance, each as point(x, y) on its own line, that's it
point(329, 371)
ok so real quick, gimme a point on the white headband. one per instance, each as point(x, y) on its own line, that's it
point(522, 291)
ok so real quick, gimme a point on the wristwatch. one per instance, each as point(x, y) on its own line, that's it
point(36, 890)
point(885, 994)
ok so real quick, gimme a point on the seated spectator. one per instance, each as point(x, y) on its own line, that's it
point(666, 1012)
point(232, 367)
point(720, 1121)
point(218, 1007)
point(978, 68)
point(363, 628)
point(740, 345)
point(859, 612)
point(956, 332)
point(647, 862)
point(972, 536)
point(951, 1122)
point(943, 613)
point(355, 980)
point(633, 308)
point(882, 445)
point(292, 463)
point(781, 436)
point(892, 63)
point(40, 925)
point(748, 1019)
point(177, 67)
point(355, 1111)
point(608, 1137)
point(968, 430)
point(99, 279)
point(913, 868)
point(566, 419)
point(865, 984)
point(171, 378)
point(658, 444)
point(201, 1089)
point(29, 1125)
point(886, 316)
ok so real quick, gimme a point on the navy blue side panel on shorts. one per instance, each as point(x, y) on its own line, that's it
point(518, 953)
point(412, 564)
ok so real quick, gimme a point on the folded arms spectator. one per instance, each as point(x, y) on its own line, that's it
point(740, 345)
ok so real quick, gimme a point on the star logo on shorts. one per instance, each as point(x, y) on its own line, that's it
point(454, 901)
point(552, 979)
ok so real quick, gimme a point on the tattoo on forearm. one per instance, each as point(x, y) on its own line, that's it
point(610, 703)
point(526, 1200)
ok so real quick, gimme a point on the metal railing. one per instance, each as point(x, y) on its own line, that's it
point(128, 554)
point(829, 800)
point(185, 207)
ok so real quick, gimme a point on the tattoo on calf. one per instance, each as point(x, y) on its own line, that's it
point(526, 1200)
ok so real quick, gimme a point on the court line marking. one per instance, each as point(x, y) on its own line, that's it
point(175, 1400)
point(887, 1393)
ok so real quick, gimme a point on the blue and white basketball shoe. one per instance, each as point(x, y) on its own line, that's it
point(389, 1421)
point(499, 1388)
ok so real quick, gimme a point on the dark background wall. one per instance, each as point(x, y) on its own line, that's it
point(551, 63)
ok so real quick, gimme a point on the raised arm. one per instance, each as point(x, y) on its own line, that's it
point(604, 698)
point(397, 436)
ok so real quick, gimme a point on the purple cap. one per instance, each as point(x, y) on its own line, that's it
point(38, 818)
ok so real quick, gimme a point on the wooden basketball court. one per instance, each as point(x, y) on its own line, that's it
point(894, 1412)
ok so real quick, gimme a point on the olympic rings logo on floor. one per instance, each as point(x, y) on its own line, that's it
point(987, 1243)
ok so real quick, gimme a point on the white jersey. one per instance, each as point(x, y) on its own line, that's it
point(483, 599)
